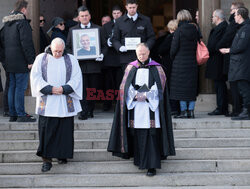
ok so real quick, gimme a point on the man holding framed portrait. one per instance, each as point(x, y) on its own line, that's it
point(84, 43)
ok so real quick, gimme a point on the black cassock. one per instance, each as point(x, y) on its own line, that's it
point(147, 146)
point(56, 136)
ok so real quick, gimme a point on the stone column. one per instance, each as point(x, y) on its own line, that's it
point(206, 8)
point(33, 14)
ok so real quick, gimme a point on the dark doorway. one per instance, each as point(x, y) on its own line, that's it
point(190, 5)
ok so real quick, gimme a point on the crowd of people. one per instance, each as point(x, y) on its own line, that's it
point(148, 92)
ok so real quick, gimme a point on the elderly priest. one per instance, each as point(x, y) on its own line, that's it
point(56, 82)
point(142, 126)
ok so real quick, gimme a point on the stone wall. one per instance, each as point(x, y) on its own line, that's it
point(5, 8)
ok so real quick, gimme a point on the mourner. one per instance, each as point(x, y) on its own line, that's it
point(135, 26)
point(239, 67)
point(91, 68)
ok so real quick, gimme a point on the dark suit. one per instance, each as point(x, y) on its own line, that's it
point(112, 71)
point(214, 69)
point(91, 70)
point(125, 27)
point(226, 42)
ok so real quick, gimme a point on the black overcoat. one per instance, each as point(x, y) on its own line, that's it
point(164, 52)
point(16, 37)
point(227, 40)
point(239, 68)
point(184, 73)
point(87, 66)
point(125, 27)
point(120, 142)
point(214, 66)
point(56, 32)
point(111, 56)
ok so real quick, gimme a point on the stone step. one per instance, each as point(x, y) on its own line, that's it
point(103, 124)
point(104, 134)
point(103, 155)
point(94, 124)
point(128, 180)
point(153, 187)
point(118, 167)
point(12, 145)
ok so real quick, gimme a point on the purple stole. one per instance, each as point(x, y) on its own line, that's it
point(44, 67)
point(122, 88)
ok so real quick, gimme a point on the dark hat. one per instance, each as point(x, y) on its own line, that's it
point(55, 22)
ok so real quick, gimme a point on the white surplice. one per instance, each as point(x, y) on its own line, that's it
point(141, 109)
point(56, 105)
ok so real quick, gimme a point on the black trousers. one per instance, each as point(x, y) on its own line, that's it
point(112, 77)
point(236, 98)
point(91, 82)
point(244, 88)
point(221, 95)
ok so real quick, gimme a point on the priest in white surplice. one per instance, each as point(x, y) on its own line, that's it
point(142, 126)
point(56, 82)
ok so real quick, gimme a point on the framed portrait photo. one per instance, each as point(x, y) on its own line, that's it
point(86, 43)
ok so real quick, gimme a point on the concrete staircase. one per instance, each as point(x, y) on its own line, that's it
point(212, 153)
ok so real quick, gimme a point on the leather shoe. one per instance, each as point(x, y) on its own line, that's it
point(232, 114)
point(82, 117)
point(216, 112)
point(13, 118)
point(46, 166)
point(183, 114)
point(151, 172)
point(62, 161)
point(242, 116)
point(191, 114)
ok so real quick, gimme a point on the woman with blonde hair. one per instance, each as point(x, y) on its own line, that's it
point(183, 81)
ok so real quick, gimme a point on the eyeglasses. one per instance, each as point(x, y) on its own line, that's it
point(61, 24)
point(42, 21)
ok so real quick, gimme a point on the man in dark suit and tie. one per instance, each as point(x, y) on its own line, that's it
point(91, 68)
point(112, 71)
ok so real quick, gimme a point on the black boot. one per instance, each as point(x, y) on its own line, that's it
point(183, 114)
point(62, 161)
point(244, 115)
point(191, 114)
point(151, 172)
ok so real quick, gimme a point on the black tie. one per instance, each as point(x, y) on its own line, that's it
point(86, 27)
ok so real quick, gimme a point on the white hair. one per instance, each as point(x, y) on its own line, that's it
point(220, 14)
point(142, 45)
point(57, 41)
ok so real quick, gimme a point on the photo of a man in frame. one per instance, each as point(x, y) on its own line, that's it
point(86, 49)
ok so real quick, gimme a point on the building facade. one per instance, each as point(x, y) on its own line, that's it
point(160, 12)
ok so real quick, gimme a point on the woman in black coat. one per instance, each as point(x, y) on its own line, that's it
point(183, 82)
point(164, 52)
point(58, 29)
